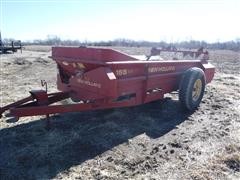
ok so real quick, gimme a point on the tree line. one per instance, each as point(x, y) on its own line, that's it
point(191, 44)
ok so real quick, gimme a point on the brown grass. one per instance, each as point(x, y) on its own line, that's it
point(38, 48)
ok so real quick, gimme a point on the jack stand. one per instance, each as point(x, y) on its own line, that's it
point(48, 123)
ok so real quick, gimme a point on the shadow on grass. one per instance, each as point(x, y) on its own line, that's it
point(28, 151)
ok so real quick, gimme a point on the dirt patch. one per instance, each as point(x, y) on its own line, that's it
point(42, 61)
point(233, 163)
point(21, 61)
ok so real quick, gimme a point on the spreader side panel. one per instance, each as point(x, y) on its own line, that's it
point(95, 84)
point(90, 54)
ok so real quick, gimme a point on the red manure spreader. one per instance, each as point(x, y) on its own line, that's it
point(100, 78)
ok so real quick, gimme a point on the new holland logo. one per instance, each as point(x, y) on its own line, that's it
point(89, 83)
point(161, 69)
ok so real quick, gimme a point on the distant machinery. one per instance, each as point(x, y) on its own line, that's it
point(12, 46)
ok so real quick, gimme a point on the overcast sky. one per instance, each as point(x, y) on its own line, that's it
point(94, 20)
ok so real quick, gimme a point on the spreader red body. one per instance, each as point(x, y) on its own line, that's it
point(100, 78)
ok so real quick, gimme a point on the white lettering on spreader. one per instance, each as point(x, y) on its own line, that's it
point(161, 69)
point(89, 83)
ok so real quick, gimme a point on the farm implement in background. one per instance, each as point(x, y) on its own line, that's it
point(99, 78)
point(11, 46)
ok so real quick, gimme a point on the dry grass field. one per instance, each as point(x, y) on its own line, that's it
point(153, 141)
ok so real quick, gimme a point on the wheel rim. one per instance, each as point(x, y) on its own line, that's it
point(197, 88)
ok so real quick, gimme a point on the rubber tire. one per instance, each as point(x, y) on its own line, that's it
point(186, 88)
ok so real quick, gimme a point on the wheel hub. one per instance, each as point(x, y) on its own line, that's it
point(197, 88)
